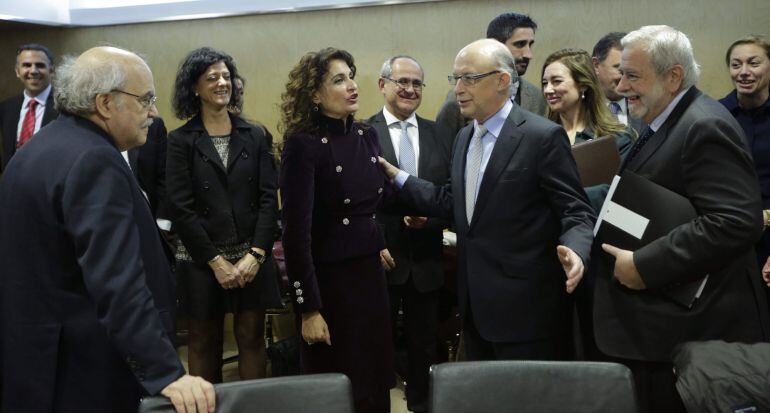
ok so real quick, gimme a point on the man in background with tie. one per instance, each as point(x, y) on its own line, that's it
point(414, 244)
point(693, 146)
point(524, 224)
point(23, 115)
point(606, 60)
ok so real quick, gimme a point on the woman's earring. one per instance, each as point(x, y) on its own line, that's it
point(315, 107)
point(583, 96)
point(196, 94)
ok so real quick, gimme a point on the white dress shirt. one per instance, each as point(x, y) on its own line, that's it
point(41, 99)
point(412, 132)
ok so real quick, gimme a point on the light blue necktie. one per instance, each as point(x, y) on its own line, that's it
point(406, 158)
point(472, 170)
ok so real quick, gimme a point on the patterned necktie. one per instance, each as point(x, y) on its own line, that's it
point(406, 158)
point(648, 132)
point(475, 151)
point(28, 126)
point(615, 108)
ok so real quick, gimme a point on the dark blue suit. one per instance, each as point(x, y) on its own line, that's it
point(530, 200)
point(86, 292)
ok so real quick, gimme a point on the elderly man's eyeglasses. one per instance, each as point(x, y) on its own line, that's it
point(469, 79)
point(146, 101)
point(405, 83)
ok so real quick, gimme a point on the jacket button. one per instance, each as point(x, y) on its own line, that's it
point(300, 300)
point(379, 190)
point(360, 132)
point(299, 291)
point(338, 168)
point(205, 158)
point(346, 201)
point(374, 160)
point(296, 284)
point(244, 155)
point(324, 140)
point(345, 221)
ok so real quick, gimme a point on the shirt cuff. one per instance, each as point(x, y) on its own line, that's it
point(401, 178)
point(163, 224)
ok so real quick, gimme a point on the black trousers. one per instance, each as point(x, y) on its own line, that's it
point(477, 348)
point(420, 315)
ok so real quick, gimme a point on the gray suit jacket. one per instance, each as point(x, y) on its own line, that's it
point(699, 153)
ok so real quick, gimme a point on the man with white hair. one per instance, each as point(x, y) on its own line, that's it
point(524, 224)
point(86, 292)
point(693, 147)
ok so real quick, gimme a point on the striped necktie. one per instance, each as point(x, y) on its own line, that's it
point(475, 152)
point(406, 158)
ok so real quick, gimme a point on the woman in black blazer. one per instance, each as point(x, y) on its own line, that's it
point(221, 181)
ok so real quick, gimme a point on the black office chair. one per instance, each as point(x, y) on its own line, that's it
point(317, 393)
point(531, 386)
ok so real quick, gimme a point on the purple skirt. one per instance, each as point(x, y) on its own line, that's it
point(356, 309)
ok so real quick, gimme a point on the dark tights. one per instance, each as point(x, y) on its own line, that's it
point(205, 346)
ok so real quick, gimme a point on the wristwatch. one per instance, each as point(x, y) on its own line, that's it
point(260, 258)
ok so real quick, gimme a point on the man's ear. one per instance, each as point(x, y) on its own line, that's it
point(675, 79)
point(505, 84)
point(104, 105)
point(595, 62)
point(381, 84)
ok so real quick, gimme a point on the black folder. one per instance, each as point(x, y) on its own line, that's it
point(597, 160)
point(665, 210)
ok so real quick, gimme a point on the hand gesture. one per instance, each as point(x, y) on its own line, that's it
point(625, 269)
point(227, 274)
point(572, 265)
point(314, 329)
point(191, 394)
point(415, 222)
point(387, 260)
point(390, 170)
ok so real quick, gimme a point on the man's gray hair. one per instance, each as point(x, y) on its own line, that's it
point(387, 66)
point(666, 47)
point(76, 86)
point(504, 61)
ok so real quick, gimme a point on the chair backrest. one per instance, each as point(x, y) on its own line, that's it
point(531, 386)
point(318, 393)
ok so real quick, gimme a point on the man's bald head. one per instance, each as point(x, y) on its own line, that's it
point(488, 73)
point(97, 70)
point(111, 87)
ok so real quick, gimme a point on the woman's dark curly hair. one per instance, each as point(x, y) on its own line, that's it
point(305, 79)
point(185, 103)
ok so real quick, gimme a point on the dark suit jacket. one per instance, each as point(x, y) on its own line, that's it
point(211, 203)
point(699, 153)
point(86, 293)
point(148, 162)
point(529, 202)
point(417, 252)
point(9, 123)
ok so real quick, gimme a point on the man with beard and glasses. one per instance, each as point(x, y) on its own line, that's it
point(21, 116)
point(694, 147)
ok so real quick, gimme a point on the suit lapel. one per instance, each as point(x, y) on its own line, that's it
point(50, 113)
point(660, 135)
point(458, 173)
point(386, 145)
point(427, 147)
point(10, 127)
point(133, 160)
point(237, 145)
point(206, 148)
point(507, 143)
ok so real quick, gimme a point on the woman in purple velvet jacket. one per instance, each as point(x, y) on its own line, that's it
point(331, 187)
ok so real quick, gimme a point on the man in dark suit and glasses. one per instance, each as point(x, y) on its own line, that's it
point(86, 292)
point(414, 244)
point(524, 224)
point(606, 60)
point(694, 147)
point(21, 116)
